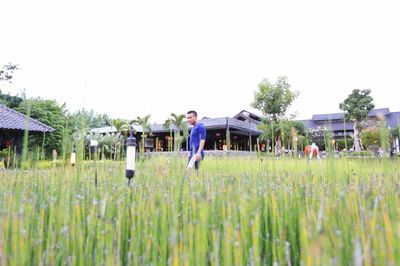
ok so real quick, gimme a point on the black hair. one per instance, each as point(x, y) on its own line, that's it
point(192, 112)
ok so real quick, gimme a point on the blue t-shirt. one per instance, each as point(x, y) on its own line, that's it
point(197, 133)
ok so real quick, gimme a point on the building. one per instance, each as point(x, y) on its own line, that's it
point(242, 129)
point(335, 122)
point(13, 125)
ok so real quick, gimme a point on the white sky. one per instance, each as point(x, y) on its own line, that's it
point(131, 58)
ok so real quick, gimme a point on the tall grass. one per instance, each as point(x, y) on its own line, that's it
point(233, 212)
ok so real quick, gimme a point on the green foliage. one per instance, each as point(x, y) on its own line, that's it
point(121, 125)
point(375, 136)
point(362, 154)
point(10, 101)
point(317, 136)
point(45, 165)
point(357, 105)
point(50, 113)
point(270, 128)
point(273, 100)
point(3, 153)
point(240, 211)
point(144, 122)
point(288, 130)
point(177, 124)
point(340, 143)
point(6, 73)
point(395, 132)
point(88, 119)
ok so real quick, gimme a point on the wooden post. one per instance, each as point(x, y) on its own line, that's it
point(228, 136)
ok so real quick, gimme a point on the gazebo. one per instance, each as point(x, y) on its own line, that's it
point(13, 125)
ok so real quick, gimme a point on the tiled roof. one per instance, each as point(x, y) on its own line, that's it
point(112, 129)
point(339, 116)
point(248, 115)
point(11, 119)
point(380, 111)
point(336, 116)
point(210, 123)
point(393, 119)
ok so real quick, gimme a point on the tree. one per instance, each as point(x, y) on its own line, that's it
point(273, 100)
point(376, 136)
point(122, 128)
point(357, 105)
point(179, 124)
point(89, 120)
point(168, 126)
point(395, 132)
point(317, 136)
point(6, 74)
point(144, 122)
point(289, 131)
point(10, 101)
point(53, 115)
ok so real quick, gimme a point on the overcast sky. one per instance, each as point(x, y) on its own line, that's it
point(131, 58)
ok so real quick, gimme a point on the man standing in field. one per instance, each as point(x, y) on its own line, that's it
point(197, 140)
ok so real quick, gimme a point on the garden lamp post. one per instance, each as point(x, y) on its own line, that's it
point(73, 156)
point(130, 156)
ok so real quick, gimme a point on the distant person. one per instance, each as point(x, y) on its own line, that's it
point(312, 151)
point(392, 150)
point(197, 140)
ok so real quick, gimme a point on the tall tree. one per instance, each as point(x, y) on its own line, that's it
point(179, 124)
point(357, 106)
point(6, 73)
point(52, 114)
point(9, 100)
point(122, 128)
point(273, 100)
point(168, 126)
point(144, 122)
point(90, 119)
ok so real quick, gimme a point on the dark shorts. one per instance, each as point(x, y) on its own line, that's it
point(197, 163)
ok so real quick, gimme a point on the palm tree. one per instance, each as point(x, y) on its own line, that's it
point(144, 122)
point(122, 128)
point(167, 125)
point(179, 124)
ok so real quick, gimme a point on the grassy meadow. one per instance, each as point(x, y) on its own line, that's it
point(235, 211)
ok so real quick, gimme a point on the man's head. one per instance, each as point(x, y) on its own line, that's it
point(191, 117)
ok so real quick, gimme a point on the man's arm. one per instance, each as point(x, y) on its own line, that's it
point(202, 141)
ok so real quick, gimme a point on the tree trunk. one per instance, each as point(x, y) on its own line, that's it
point(228, 139)
point(278, 147)
point(115, 151)
point(250, 143)
point(177, 135)
point(144, 137)
point(357, 141)
point(170, 140)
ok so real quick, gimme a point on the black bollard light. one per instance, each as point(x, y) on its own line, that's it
point(73, 156)
point(130, 157)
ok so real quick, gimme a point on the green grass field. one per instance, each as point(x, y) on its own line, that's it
point(234, 212)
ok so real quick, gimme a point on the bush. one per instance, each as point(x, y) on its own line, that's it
point(375, 136)
point(341, 144)
point(43, 165)
point(362, 154)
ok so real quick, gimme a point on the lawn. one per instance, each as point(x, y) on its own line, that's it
point(253, 211)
